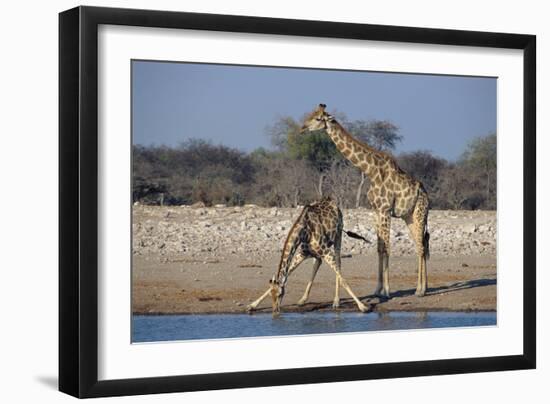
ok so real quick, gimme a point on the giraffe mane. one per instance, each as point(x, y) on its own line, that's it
point(288, 238)
point(385, 155)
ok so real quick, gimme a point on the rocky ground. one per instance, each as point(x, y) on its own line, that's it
point(219, 259)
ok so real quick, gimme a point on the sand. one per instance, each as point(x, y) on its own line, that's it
point(176, 285)
point(220, 259)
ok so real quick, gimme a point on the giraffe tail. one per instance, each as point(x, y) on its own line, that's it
point(426, 243)
point(357, 236)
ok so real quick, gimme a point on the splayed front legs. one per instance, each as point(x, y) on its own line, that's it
point(252, 306)
point(297, 260)
point(316, 266)
point(305, 297)
point(332, 261)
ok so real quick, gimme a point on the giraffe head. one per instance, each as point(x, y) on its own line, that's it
point(317, 120)
point(277, 293)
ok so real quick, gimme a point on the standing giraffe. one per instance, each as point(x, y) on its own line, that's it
point(317, 233)
point(392, 193)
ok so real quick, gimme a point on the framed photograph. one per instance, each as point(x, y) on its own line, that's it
point(251, 201)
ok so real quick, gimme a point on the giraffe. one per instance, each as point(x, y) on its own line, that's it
point(392, 193)
point(317, 233)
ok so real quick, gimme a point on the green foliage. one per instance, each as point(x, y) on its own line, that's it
point(318, 149)
point(315, 147)
point(301, 166)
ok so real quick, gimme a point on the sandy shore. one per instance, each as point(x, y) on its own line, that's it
point(177, 285)
point(220, 259)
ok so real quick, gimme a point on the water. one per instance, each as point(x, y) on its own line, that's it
point(212, 326)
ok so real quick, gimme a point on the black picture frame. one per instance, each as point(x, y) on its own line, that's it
point(78, 201)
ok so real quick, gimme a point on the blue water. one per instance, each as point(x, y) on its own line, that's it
point(149, 328)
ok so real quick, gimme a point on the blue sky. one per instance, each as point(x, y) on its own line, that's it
point(232, 105)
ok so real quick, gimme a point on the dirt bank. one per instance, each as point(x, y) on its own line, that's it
point(218, 260)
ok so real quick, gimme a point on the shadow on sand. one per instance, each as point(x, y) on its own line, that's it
point(372, 300)
point(475, 283)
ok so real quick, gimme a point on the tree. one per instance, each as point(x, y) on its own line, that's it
point(314, 147)
point(423, 166)
point(341, 180)
point(280, 131)
point(460, 189)
point(481, 154)
point(318, 150)
point(200, 171)
point(281, 181)
point(381, 135)
point(196, 170)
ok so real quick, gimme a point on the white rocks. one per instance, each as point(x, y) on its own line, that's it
point(257, 232)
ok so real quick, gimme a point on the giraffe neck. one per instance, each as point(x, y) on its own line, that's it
point(361, 155)
point(289, 248)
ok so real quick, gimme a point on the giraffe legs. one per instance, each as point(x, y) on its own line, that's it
point(337, 249)
point(336, 301)
point(416, 223)
point(252, 306)
point(296, 260)
point(422, 284)
point(383, 285)
point(316, 266)
point(334, 263)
